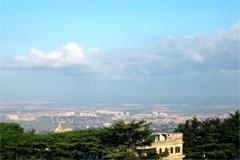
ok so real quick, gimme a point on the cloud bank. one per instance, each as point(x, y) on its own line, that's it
point(69, 54)
point(216, 52)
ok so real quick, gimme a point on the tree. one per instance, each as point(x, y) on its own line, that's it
point(124, 138)
point(212, 138)
point(117, 141)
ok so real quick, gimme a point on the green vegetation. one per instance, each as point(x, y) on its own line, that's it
point(209, 139)
point(212, 138)
point(117, 141)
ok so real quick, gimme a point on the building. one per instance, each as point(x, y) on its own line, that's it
point(167, 142)
point(60, 129)
point(13, 117)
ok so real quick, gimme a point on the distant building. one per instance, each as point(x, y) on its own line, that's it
point(12, 117)
point(167, 142)
point(60, 129)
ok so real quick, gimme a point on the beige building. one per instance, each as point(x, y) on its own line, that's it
point(167, 142)
point(60, 129)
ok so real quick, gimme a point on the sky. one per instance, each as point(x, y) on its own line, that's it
point(128, 50)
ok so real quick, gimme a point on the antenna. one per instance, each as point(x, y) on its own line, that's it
point(59, 124)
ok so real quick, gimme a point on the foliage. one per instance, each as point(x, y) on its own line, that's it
point(125, 137)
point(117, 141)
point(212, 138)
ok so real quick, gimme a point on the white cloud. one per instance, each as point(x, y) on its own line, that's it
point(215, 52)
point(69, 54)
point(202, 53)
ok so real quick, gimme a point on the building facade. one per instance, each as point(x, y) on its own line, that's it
point(172, 143)
point(60, 129)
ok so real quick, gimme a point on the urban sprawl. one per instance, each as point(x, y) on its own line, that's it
point(45, 117)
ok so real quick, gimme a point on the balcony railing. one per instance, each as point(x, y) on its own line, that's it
point(168, 142)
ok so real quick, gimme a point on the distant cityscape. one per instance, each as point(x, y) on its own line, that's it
point(45, 117)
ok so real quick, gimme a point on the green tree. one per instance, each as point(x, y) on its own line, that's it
point(118, 141)
point(124, 138)
point(212, 138)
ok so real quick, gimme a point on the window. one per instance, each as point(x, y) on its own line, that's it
point(160, 150)
point(165, 137)
point(171, 149)
point(177, 150)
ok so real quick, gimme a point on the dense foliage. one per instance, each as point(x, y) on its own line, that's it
point(212, 138)
point(117, 141)
point(209, 139)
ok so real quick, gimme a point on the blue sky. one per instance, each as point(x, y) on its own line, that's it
point(108, 24)
point(141, 48)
